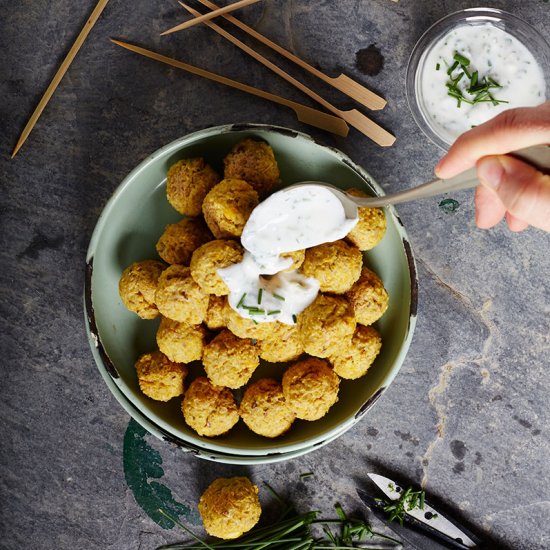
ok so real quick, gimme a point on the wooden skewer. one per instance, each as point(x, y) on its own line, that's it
point(211, 15)
point(353, 117)
point(343, 83)
point(60, 74)
point(305, 114)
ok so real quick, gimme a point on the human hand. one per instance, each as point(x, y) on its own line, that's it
point(509, 188)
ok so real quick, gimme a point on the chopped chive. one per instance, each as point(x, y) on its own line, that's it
point(459, 58)
point(278, 296)
point(274, 312)
point(254, 321)
point(294, 318)
point(260, 292)
point(437, 67)
point(306, 475)
point(241, 300)
point(473, 79)
point(452, 68)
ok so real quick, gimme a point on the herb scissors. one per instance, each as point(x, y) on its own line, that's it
point(411, 509)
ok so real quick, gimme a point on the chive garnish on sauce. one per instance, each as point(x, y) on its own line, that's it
point(260, 292)
point(278, 296)
point(241, 300)
point(478, 87)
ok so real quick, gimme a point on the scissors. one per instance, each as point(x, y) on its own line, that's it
point(423, 527)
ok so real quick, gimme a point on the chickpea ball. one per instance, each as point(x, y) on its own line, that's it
point(283, 344)
point(215, 314)
point(180, 342)
point(354, 360)
point(370, 228)
point(210, 257)
point(137, 287)
point(264, 409)
point(254, 162)
point(181, 239)
point(209, 410)
point(229, 360)
point(179, 297)
point(228, 206)
point(368, 297)
point(310, 388)
point(326, 325)
point(158, 377)
point(335, 265)
point(246, 328)
point(187, 183)
point(230, 507)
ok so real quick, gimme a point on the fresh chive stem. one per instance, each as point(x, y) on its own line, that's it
point(278, 297)
point(260, 292)
point(241, 301)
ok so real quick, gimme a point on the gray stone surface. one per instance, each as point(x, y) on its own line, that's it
point(468, 414)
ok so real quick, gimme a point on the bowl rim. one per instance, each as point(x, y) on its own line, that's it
point(428, 38)
point(203, 447)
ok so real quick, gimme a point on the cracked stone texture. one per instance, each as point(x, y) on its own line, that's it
point(468, 415)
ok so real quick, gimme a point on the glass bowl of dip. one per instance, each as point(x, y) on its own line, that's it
point(495, 48)
point(127, 230)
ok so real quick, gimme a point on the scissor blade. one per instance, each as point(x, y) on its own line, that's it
point(411, 539)
point(428, 515)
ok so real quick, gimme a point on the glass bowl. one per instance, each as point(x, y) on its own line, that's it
point(519, 29)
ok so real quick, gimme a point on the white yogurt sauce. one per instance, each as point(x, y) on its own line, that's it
point(286, 221)
point(493, 53)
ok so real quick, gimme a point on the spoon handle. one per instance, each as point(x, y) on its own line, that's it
point(538, 156)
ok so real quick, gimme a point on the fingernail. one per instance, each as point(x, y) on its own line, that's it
point(490, 172)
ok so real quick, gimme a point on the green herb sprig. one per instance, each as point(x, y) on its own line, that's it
point(479, 88)
point(409, 500)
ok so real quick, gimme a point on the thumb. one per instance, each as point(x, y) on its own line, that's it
point(522, 189)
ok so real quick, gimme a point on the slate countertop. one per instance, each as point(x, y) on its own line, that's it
point(468, 415)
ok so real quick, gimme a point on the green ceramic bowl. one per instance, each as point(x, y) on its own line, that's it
point(127, 231)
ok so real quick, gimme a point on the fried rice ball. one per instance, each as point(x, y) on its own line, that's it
point(210, 257)
point(210, 410)
point(353, 360)
point(187, 183)
point(215, 314)
point(283, 344)
point(370, 228)
point(297, 256)
point(335, 265)
point(326, 325)
point(137, 287)
point(310, 388)
point(368, 297)
point(254, 162)
point(229, 360)
point(181, 239)
point(179, 297)
point(264, 409)
point(230, 507)
point(158, 377)
point(180, 342)
point(228, 206)
point(247, 328)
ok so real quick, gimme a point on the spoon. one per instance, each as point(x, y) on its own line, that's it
point(538, 156)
